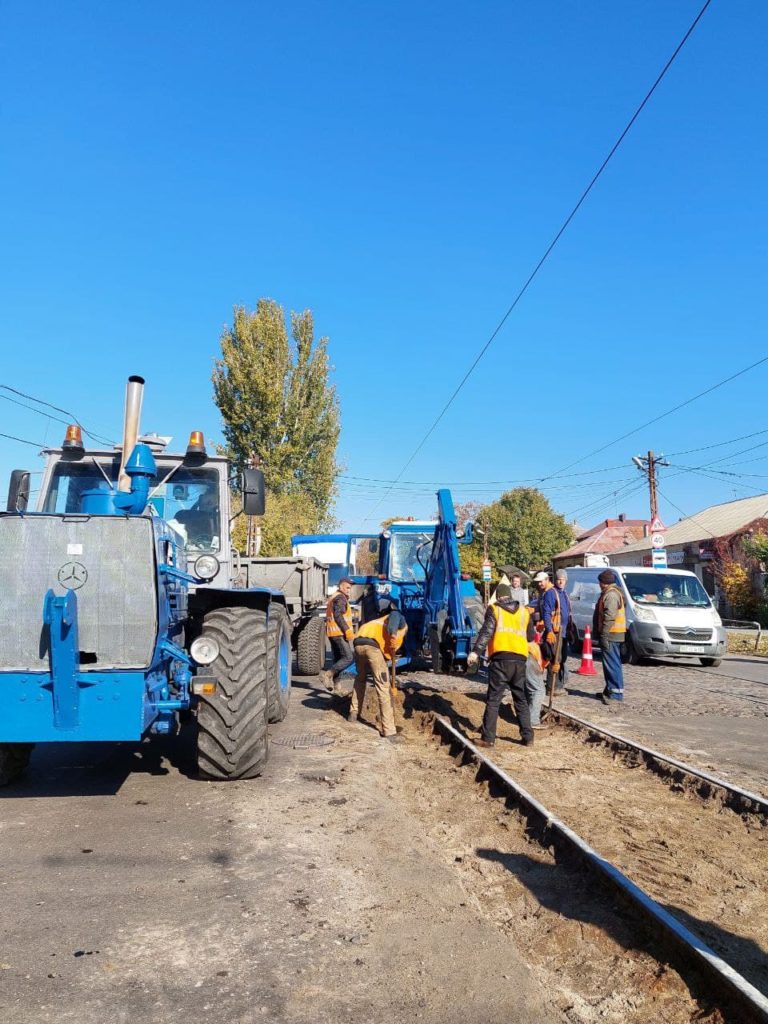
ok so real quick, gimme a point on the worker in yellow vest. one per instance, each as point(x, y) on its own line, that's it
point(376, 641)
point(340, 630)
point(506, 632)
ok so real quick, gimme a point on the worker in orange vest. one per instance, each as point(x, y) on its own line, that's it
point(376, 641)
point(506, 632)
point(340, 630)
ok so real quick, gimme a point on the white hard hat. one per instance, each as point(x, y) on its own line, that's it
point(540, 577)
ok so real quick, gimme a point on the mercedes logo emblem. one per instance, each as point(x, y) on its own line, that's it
point(72, 575)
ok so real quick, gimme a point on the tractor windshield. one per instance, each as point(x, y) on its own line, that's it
point(188, 499)
point(408, 554)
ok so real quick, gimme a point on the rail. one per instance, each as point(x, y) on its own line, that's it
point(742, 801)
point(551, 831)
point(745, 626)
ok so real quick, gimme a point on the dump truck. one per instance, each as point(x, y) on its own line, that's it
point(130, 607)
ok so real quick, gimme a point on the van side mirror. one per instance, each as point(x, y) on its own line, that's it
point(254, 498)
point(18, 491)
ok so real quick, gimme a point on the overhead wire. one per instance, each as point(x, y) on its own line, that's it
point(542, 260)
point(72, 418)
point(23, 440)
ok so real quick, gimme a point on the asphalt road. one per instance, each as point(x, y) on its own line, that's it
point(133, 892)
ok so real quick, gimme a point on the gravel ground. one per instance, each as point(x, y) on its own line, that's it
point(706, 866)
point(714, 719)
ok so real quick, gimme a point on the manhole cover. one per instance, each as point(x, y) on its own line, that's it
point(304, 739)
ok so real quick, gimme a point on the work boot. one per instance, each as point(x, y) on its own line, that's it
point(485, 744)
point(604, 698)
point(326, 678)
point(527, 741)
point(394, 738)
point(541, 725)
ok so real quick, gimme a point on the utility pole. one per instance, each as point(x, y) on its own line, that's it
point(486, 584)
point(647, 464)
point(253, 534)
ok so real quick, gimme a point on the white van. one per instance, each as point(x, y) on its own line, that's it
point(669, 613)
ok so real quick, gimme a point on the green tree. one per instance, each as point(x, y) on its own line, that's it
point(523, 530)
point(277, 402)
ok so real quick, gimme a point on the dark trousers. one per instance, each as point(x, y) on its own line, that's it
point(506, 672)
point(342, 655)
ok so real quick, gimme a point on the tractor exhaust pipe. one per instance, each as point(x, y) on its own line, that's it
point(134, 392)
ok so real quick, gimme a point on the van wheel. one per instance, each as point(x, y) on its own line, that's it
point(629, 653)
point(711, 662)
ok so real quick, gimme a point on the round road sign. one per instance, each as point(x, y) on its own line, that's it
point(657, 541)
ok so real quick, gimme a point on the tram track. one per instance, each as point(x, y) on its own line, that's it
point(737, 999)
point(688, 875)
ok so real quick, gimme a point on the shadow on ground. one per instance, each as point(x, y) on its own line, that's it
point(567, 890)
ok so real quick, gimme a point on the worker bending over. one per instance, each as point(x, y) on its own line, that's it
point(506, 631)
point(340, 631)
point(376, 641)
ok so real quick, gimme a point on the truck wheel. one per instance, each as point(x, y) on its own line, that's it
point(476, 611)
point(711, 662)
point(14, 759)
point(310, 647)
point(279, 644)
point(232, 740)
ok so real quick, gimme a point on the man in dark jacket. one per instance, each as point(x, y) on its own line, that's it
point(340, 631)
point(561, 579)
point(506, 632)
point(609, 624)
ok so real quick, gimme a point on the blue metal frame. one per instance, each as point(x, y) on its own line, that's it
point(437, 602)
point(70, 703)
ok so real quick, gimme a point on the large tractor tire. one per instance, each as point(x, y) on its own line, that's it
point(279, 644)
point(14, 760)
point(310, 647)
point(232, 741)
point(476, 610)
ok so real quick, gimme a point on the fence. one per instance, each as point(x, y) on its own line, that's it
point(746, 627)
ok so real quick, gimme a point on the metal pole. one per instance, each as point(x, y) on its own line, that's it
point(652, 486)
point(486, 585)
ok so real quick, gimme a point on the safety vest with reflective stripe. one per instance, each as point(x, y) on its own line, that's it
point(511, 633)
point(374, 630)
point(332, 626)
point(620, 623)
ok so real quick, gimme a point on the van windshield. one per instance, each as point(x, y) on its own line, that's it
point(662, 588)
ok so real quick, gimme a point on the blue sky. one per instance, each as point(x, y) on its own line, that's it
point(398, 169)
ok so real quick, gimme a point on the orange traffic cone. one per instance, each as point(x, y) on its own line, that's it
point(587, 664)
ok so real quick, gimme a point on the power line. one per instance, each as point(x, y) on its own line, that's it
point(662, 416)
point(719, 444)
point(72, 418)
point(554, 242)
point(23, 440)
point(457, 483)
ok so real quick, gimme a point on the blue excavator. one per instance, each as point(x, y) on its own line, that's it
point(419, 574)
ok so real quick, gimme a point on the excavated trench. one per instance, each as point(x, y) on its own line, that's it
point(704, 863)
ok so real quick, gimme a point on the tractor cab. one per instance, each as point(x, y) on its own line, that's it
point(189, 491)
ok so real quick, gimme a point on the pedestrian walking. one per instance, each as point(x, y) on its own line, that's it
point(609, 624)
point(339, 628)
point(506, 632)
point(549, 611)
point(561, 578)
point(376, 641)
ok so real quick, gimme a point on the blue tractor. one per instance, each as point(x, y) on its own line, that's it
point(120, 608)
point(419, 573)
